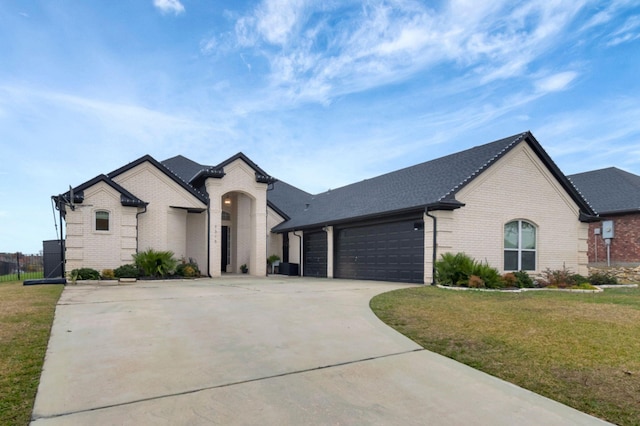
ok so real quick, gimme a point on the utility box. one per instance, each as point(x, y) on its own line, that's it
point(607, 229)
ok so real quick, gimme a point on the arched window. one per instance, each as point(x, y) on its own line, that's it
point(519, 246)
point(102, 220)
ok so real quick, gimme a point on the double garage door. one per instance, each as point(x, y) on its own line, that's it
point(390, 251)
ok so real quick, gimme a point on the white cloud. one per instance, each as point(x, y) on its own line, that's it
point(387, 41)
point(169, 6)
point(628, 32)
point(277, 19)
point(556, 82)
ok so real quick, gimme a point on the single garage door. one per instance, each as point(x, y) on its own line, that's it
point(315, 254)
point(392, 251)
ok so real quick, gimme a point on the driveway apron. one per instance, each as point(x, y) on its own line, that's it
point(277, 350)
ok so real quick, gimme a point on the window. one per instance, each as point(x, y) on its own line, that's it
point(226, 215)
point(102, 221)
point(519, 246)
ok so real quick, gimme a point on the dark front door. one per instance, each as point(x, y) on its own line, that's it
point(224, 249)
point(392, 251)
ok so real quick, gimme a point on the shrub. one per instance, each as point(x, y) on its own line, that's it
point(188, 269)
point(488, 274)
point(510, 280)
point(155, 263)
point(523, 280)
point(127, 271)
point(562, 278)
point(602, 278)
point(107, 274)
point(85, 274)
point(556, 278)
point(454, 269)
point(457, 269)
point(578, 279)
point(476, 282)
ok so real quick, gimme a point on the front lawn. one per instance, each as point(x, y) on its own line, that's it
point(26, 315)
point(582, 349)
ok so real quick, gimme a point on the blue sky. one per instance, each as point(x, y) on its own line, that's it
point(320, 94)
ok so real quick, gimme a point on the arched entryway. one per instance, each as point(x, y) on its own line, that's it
point(237, 227)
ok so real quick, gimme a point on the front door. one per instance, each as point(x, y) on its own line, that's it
point(224, 249)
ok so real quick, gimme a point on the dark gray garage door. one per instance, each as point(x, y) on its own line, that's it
point(315, 254)
point(391, 251)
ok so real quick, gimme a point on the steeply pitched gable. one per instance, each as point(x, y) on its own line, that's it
point(126, 197)
point(609, 190)
point(431, 185)
point(175, 177)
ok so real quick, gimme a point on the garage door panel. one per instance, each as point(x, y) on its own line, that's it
point(387, 251)
point(315, 254)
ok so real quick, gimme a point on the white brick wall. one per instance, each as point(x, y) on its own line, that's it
point(100, 250)
point(518, 186)
point(162, 226)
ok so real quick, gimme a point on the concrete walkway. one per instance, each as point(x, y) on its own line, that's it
point(272, 351)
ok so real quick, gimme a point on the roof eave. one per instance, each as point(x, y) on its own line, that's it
point(417, 209)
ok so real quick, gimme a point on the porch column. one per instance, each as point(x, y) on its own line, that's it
point(215, 226)
point(329, 231)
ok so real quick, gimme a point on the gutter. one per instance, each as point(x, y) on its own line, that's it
point(435, 246)
point(300, 246)
point(137, 226)
point(209, 238)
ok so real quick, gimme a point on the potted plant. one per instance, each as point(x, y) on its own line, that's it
point(273, 261)
point(244, 268)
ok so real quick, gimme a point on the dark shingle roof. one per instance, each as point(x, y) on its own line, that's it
point(183, 167)
point(432, 184)
point(288, 199)
point(126, 197)
point(200, 195)
point(609, 190)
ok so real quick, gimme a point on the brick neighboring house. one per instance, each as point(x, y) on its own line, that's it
point(504, 202)
point(615, 195)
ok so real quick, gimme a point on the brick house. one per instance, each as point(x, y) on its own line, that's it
point(615, 195)
point(505, 202)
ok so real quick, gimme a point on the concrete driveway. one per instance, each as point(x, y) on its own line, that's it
point(269, 351)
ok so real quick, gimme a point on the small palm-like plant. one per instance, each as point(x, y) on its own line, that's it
point(155, 263)
point(454, 269)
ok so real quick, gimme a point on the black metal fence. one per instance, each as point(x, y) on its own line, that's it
point(19, 266)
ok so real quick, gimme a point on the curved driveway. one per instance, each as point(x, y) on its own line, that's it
point(270, 351)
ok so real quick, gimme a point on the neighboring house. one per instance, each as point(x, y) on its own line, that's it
point(505, 203)
point(615, 195)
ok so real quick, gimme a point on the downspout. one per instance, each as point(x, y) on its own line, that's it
point(63, 246)
point(208, 238)
point(435, 245)
point(137, 226)
point(270, 187)
point(300, 247)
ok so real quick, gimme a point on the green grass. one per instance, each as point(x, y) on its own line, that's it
point(23, 276)
point(581, 349)
point(26, 316)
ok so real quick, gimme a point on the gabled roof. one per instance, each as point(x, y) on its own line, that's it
point(175, 177)
point(182, 166)
point(126, 198)
point(195, 174)
point(431, 185)
point(288, 200)
point(610, 190)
